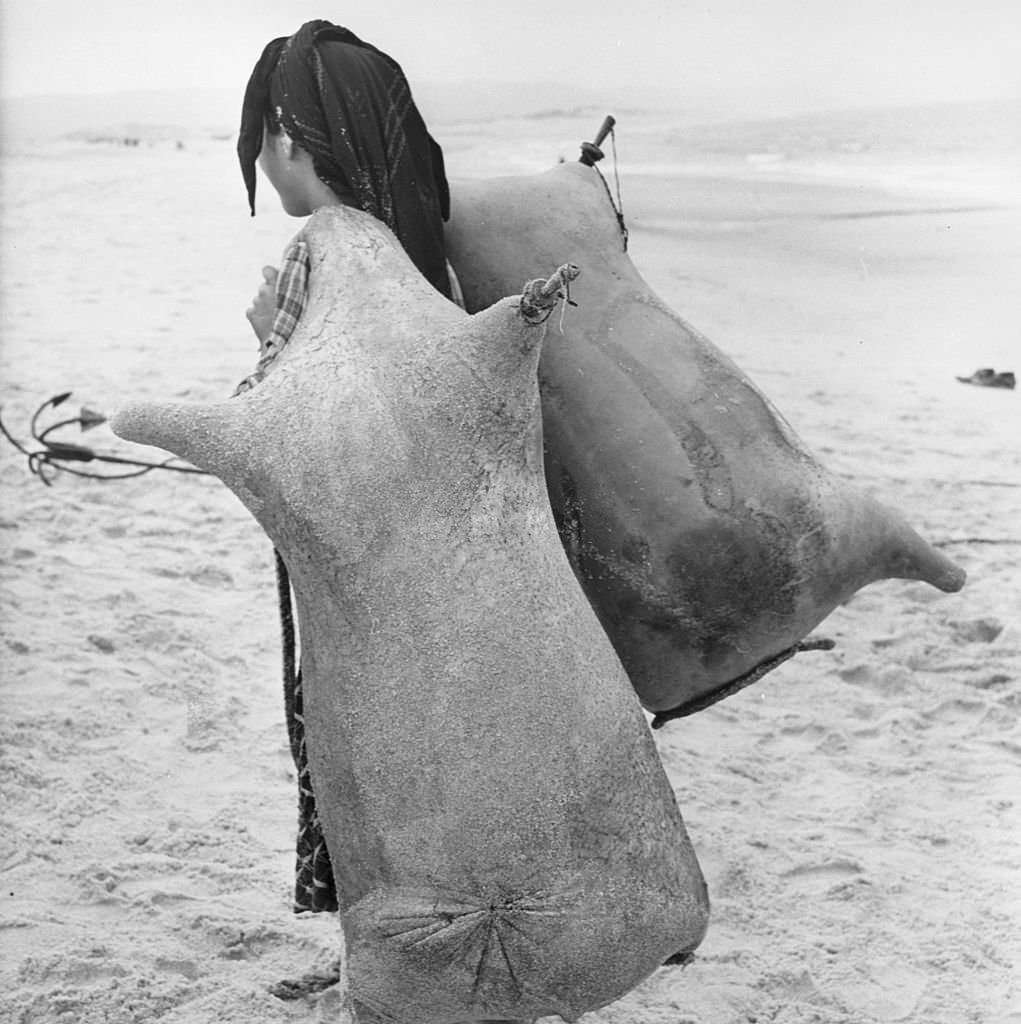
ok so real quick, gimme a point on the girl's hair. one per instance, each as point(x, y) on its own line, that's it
point(350, 106)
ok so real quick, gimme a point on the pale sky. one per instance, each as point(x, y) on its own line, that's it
point(768, 56)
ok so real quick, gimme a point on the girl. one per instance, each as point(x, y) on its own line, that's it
point(330, 119)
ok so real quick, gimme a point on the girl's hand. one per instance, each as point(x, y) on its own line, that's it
point(264, 306)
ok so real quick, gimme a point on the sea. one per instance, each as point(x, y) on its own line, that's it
point(131, 210)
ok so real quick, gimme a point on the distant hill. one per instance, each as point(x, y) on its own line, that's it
point(451, 102)
point(958, 127)
point(185, 113)
point(161, 113)
point(168, 114)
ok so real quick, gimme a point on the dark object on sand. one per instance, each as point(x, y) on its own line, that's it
point(55, 455)
point(989, 378)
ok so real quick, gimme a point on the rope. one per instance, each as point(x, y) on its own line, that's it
point(540, 295)
point(618, 205)
point(591, 154)
point(974, 540)
point(52, 458)
point(619, 208)
point(705, 700)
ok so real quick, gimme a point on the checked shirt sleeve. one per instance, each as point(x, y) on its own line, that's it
point(292, 293)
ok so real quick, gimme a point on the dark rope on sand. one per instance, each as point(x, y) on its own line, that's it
point(936, 481)
point(306, 985)
point(974, 540)
point(54, 456)
point(981, 483)
point(314, 886)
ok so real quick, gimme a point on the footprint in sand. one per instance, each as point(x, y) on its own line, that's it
point(95, 965)
point(97, 884)
point(186, 968)
point(211, 576)
point(829, 875)
point(977, 631)
point(876, 991)
point(882, 642)
point(102, 643)
point(857, 674)
point(166, 573)
point(888, 680)
point(921, 593)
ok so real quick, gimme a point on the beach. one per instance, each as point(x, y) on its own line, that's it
point(855, 813)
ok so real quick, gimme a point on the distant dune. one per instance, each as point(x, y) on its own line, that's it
point(160, 112)
point(185, 113)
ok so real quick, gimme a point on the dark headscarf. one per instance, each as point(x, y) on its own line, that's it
point(350, 106)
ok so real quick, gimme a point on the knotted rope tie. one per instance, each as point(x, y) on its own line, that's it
point(706, 700)
point(541, 295)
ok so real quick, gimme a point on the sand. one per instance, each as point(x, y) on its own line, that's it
point(856, 813)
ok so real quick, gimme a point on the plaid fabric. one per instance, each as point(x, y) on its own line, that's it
point(292, 291)
point(314, 887)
